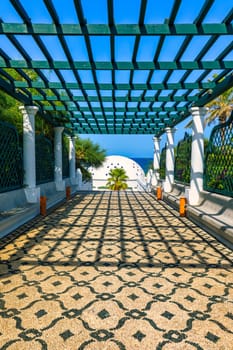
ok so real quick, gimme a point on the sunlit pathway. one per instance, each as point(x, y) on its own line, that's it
point(115, 271)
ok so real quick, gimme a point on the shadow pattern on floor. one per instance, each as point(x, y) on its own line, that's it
point(112, 271)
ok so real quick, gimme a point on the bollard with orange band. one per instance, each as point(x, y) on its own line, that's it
point(68, 192)
point(43, 205)
point(159, 193)
point(183, 203)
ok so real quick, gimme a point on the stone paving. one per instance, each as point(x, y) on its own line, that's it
point(110, 271)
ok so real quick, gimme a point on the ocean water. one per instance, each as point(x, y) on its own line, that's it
point(144, 163)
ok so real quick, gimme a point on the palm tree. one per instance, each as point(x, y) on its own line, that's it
point(220, 108)
point(117, 180)
point(88, 154)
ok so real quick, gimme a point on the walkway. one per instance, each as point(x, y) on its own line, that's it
point(115, 271)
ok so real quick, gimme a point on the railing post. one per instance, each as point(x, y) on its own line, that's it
point(43, 205)
point(29, 159)
point(159, 192)
point(182, 208)
point(68, 192)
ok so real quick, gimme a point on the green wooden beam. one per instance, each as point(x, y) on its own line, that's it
point(87, 86)
point(140, 65)
point(117, 29)
point(116, 110)
point(181, 98)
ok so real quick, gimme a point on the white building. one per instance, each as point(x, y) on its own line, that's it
point(135, 173)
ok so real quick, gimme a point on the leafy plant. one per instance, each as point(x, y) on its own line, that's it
point(117, 180)
point(88, 154)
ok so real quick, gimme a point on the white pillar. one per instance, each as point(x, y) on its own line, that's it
point(79, 176)
point(29, 160)
point(197, 155)
point(73, 178)
point(60, 184)
point(170, 160)
point(156, 161)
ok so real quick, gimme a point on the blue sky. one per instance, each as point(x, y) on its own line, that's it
point(125, 11)
point(138, 146)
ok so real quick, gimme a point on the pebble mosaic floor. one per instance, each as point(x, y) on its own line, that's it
point(109, 271)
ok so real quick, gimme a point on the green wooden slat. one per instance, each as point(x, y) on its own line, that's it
point(229, 17)
point(225, 52)
point(160, 86)
point(119, 29)
point(203, 12)
point(174, 11)
point(52, 11)
point(116, 110)
point(111, 99)
point(21, 11)
point(162, 65)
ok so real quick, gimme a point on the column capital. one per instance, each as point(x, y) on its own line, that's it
point(72, 137)
point(32, 110)
point(59, 128)
point(170, 130)
point(198, 111)
point(156, 138)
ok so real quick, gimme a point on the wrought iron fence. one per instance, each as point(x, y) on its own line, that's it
point(162, 164)
point(65, 157)
point(218, 167)
point(11, 163)
point(183, 160)
point(44, 159)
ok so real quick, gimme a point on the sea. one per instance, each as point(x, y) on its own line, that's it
point(145, 163)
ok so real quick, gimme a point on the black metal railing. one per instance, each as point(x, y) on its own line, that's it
point(44, 159)
point(162, 164)
point(218, 166)
point(183, 160)
point(11, 163)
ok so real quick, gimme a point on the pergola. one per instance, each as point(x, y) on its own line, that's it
point(136, 78)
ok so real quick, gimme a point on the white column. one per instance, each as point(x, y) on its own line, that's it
point(73, 178)
point(170, 160)
point(197, 155)
point(156, 161)
point(60, 184)
point(29, 160)
point(79, 176)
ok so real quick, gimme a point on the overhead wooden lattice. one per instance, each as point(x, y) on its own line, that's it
point(84, 65)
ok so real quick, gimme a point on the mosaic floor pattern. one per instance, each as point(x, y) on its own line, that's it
point(109, 271)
